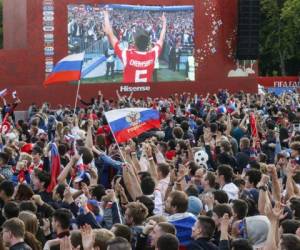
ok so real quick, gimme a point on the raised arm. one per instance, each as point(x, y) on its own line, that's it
point(152, 165)
point(228, 129)
point(274, 215)
point(100, 98)
point(160, 42)
point(4, 101)
point(64, 173)
point(120, 98)
point(263, 195)
point(276, 191)
point(108, 29)
point(131, 182)
point(291, 187)
point(89, 136)
point(243, 124)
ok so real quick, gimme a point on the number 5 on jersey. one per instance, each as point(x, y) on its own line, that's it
point(141, 75)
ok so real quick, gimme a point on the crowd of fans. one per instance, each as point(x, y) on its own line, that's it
point(85, 25)
point(221, 173)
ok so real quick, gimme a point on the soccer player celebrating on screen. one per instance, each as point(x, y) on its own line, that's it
point(138, 62)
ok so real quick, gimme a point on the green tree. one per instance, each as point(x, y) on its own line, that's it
point(279, 36)
point(291, 18)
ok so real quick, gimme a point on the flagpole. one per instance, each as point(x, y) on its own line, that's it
point(76, 98)
point(122, 156)
point(79, 82)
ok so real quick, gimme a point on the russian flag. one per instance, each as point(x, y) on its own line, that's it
point(80, 171)
point(131, 122)
point(80, 168)
point(55, 167)
point(66, 70)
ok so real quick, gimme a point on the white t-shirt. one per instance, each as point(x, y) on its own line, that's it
point(231, 190)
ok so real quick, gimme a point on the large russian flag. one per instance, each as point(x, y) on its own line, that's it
point(131, 122)
point(66, 70)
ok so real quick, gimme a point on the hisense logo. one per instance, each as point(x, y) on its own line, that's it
point(134, 89)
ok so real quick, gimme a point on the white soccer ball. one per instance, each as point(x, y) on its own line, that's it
point(201, 158)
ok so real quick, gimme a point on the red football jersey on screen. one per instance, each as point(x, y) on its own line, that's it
point(138, 66)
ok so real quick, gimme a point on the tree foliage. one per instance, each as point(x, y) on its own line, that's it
point(279, 37)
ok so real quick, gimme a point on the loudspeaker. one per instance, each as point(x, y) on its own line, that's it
point(248, 30)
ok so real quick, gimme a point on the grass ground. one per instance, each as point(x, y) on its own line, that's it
point(164, 75)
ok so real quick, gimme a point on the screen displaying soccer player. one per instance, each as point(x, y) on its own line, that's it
point(132, 43)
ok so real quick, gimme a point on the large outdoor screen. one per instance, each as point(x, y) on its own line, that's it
point(135, 27)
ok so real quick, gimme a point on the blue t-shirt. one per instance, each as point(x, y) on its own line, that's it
point(237, 133)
